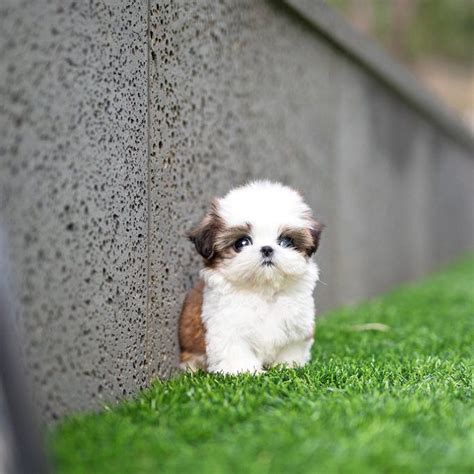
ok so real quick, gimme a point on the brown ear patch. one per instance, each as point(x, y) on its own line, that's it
point(315, 230)
point(205, 234)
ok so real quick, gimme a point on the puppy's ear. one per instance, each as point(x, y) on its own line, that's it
point(315, 229)
point(205, 234)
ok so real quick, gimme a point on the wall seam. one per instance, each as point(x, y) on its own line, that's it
point(147, 348)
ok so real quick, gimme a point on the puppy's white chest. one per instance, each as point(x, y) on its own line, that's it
point(272, 325)
point(266, 324)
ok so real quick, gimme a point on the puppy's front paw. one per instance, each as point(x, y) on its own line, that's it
point(236, 357)
point(237, 364)
point(295, 354)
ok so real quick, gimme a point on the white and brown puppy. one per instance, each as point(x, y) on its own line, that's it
point(253, 306)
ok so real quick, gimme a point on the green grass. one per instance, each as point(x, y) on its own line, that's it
point(369, 402)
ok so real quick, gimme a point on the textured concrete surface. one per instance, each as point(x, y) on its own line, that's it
point(112, 145)
point(73, 193)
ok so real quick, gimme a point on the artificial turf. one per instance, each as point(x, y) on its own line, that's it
point(398, 401)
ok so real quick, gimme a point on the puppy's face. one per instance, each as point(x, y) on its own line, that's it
point(259, 234)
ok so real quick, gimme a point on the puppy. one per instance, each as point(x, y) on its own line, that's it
point(253, 307)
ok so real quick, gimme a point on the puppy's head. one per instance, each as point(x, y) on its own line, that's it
point(259, 234)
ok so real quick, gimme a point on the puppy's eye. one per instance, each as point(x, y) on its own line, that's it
point(241, 243)
point(286, 242)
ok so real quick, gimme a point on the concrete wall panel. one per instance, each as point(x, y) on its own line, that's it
point(452, 205)
point(384, 191)
point(73, 181)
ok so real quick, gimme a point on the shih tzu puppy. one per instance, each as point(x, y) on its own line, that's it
point(253, 307)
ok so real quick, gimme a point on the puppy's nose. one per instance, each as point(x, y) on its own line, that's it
point(267, 251)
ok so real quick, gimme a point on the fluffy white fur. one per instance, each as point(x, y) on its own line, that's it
point(258, 316)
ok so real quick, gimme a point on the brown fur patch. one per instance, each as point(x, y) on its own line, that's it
point(205, 234)
point(213, 240)
point(191, 330)
point(227, 236)
point(223, 244)
point(306, 240)
point(316, 228)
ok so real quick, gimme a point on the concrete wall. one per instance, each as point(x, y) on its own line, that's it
point(73, 193)
point(122, 119)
